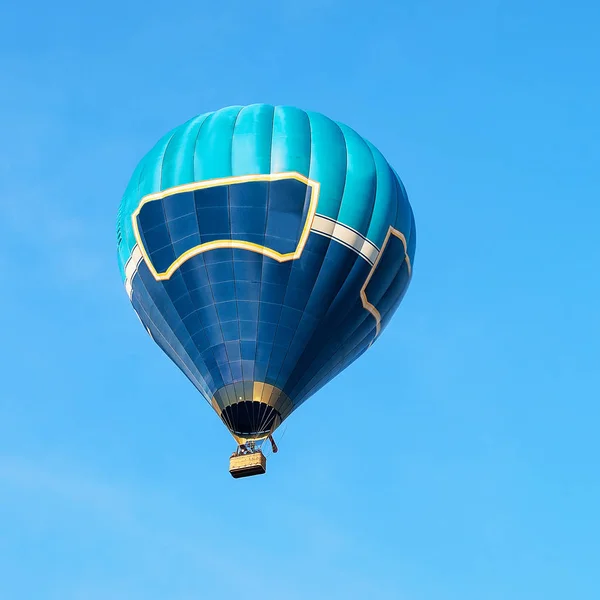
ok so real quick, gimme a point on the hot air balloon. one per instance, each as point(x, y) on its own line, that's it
point(264, 249)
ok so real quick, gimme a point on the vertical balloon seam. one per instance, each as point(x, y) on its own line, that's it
point(271, 144)
point(263, 257)
point(163, 157)
point(256, 124)
point(213, 116)
point(266, 376)
point(184, 279)
point(307, 125)
point(185, 283)
point(193, 165)
point(230, 254)
point(233, 168)
point(357, 256)
point(353, 138)
point(329, 241)
point(289, 275)
point(228, 389)
point(277, 390)
point(376, 231)
point(180, 156)
point(263, 260)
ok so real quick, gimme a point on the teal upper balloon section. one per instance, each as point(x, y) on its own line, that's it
point(358, 187)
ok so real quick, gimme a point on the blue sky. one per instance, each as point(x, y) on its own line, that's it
point(478, 476)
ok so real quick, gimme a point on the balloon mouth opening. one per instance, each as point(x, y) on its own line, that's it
point(251, 419)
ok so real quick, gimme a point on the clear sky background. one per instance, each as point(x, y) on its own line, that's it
point(475, 475)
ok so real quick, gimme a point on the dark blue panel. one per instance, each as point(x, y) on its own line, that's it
point(176, 287)
point(266, 214)
point(273, 293)
point(246, 221)
point(279, 273)
point(266, 332)
point(219, 353)
point(260, 371)
point(234, 351)
point(248, 350)
point(202, 297)
point(227, 311)
point(248, 330)
point(208, 315)
point(182, 228)
point(220, 272)
point(252, 194)
point(216, 196)
point(236, 370)
point(177, 205)
point(162, 259)
point(248, 373)
point(248, 270)
point(248, 311)
point(213, 223)
point(231, 331)
point(151, 215)
point(247, 291)
point(288, 196)
point(214, 334)
point(290, 317)
point(284, 337)
point(268, 314)
point(184, 306)
point(280, 244)
point(223, 292)
point(263, 352)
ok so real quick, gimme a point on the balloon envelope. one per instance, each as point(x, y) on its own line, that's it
point(264, 249)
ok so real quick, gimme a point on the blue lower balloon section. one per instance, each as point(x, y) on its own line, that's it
point(231, 316)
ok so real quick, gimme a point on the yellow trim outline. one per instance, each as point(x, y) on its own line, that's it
point(363, 294)
point(238, 244)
